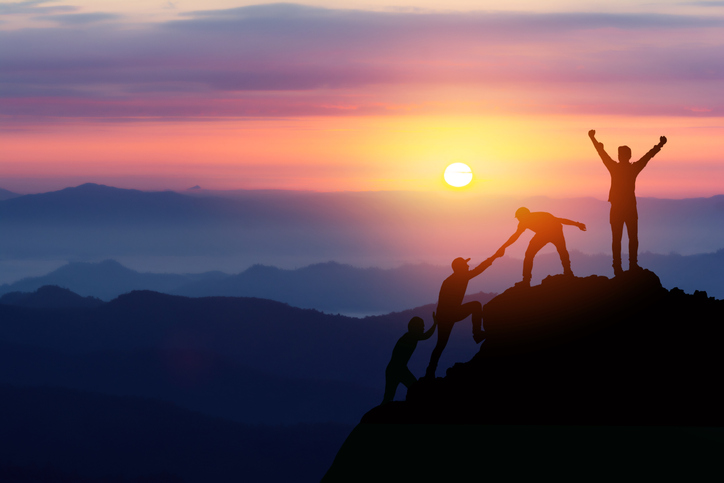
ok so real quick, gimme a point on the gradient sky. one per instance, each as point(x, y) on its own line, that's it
point(232, 94)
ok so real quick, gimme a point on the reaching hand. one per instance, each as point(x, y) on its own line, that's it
point(592, 133)
point(582, 226)
point(662, 141)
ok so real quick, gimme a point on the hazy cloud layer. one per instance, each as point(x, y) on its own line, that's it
point(34, 7)
point(77, 19)
point(286, 59)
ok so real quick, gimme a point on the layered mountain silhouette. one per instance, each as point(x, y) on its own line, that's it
point(330, 287)
point(123, 377)
point(244, 359)
point(296, 229)
point(578, 378)
point(338, 288)
point(107, 280)
point(50, 297)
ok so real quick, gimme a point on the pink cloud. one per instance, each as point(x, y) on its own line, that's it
point(292, 60)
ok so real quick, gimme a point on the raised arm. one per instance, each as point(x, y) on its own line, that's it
point(566, 221)
point(431, 330)
point(607, 161)
point(641, 163)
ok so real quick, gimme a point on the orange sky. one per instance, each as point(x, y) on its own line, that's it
point(299, 97)
point(509, 155)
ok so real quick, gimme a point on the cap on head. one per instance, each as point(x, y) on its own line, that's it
point(624, 153)
point(522, 212)
point(460, 264)
point(416, 323)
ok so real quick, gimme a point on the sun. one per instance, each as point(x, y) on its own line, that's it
point(458, 175)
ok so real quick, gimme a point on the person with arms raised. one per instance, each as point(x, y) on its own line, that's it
point(622, 197)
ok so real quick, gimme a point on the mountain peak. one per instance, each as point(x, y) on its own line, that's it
point(568, 353)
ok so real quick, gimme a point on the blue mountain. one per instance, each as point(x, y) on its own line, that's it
point(6, 195)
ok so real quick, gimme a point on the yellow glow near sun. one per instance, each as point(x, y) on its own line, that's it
point(458, 175)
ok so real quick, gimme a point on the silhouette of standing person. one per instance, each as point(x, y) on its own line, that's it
point(622, 197)
point(397, 371)
point(548, 229)
point(451, 309)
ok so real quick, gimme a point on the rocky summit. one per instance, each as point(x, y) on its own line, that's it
point(578, 377)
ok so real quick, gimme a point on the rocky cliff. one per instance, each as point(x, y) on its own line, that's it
point(577, 377)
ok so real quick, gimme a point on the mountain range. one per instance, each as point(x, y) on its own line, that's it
point(245, 359)
point(337, 288)
point(295, 229)
point(253, 387)
point(133, 375)
point(261, 363)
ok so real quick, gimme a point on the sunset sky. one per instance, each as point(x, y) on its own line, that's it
point(360, 95)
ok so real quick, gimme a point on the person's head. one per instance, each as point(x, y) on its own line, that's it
point(460, 264)
point(522, 213)
point(624, 154)
point(416, 325)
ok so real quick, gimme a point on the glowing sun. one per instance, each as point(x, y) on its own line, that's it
point(458, 175)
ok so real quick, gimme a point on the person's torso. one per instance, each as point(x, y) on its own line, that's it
point(452, 293)
point(403, 350)
point(542, 222)
point(623, 183)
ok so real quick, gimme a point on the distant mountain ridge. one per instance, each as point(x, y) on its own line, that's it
point(6, 195)
point(302, 228)
point(338, 288)
point(50, 297)
point(106, 280)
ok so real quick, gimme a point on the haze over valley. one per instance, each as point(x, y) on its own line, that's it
point(402, 241)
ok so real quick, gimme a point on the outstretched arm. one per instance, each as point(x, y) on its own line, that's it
point(483, 266)
point(430, 331)
point(512, 239)
point(641, 163)
point(566, 221)
point(607, 161)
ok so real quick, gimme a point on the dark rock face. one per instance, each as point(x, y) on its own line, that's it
point(572, 352)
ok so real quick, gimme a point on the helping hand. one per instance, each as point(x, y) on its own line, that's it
point(582, 226)
point(662, 141)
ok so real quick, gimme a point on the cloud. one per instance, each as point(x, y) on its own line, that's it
point(77, 19)
point(33, 7)
point(704, 4)
point(285, 59)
